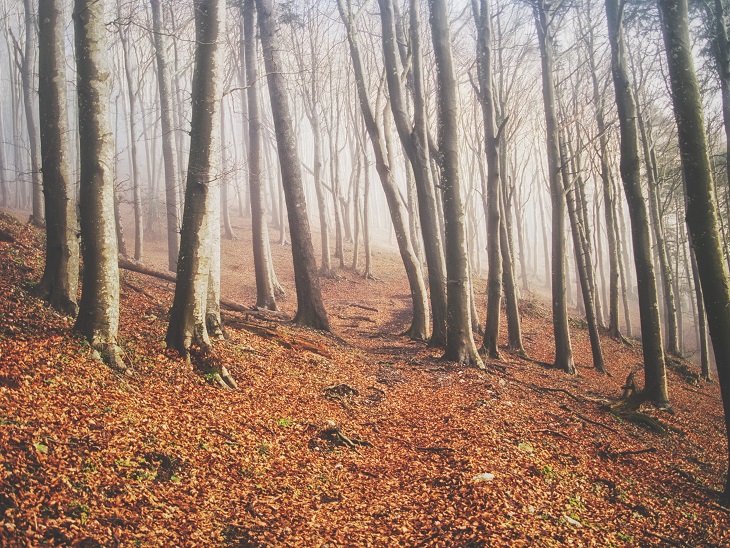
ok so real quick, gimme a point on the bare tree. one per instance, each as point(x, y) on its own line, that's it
point(701, 211)
point(655, 384)
point(460, 345)
point(98, 318)
point(419, 324)
point(168, 144)
point(60, 276)
point(188, 314)
point(259, 227)
point(310, 308)
point(563, 349)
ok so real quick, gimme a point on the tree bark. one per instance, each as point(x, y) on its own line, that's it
point(168, 146)
point(27, 77)
point(259, 227)
point(655, 379)
point(419, 325)
point(491, 191)
point(187, 325)
point(98, 319)
point(310, 308)
point(460, 345)
point(561, 330)
point(61, 273)
point(701, 211)
point(413, 137)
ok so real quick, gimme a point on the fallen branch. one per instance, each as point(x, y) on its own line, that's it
point(556, 433)
point(720, 507)
point(357, 318)
point(139, 268)
point(668, 540)
point(591, 421)
point(556, 390)
point(362, 306)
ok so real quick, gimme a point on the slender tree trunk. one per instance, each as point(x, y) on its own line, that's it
point(490, 189)
point(563, 349)
point(188, 315)
point(514, 329)
point(259, 227)
point(60, 276)
point(415, 143)
point(701, 320)
point(28, 79)
point(701, 211)
point(419, 325)
point(132, 120)
point(460, 345)
point(310, 308)
point(655, 379)
point(581, 259)
point(225, 183)
point(98, 318)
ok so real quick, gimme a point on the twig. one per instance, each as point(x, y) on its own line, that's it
point(719, 506)
point(665, 539)
point(556, 433)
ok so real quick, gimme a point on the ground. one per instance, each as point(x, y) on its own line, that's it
point(356, 438)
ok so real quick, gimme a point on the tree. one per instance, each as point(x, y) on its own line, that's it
point(132, 119)
point(188, 314)
point(168, 145)
point(259, 228)
point(482, 18)
point(60, 276)
point(98, 318)
point(310, 308)
point(419, 323)
point(701, 211)
point(561, 330)
point(460, 345)
point(412, 135)
point(27, 77)
point(655, 383)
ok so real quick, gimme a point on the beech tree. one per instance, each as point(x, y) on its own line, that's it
point(384, 167)
point(98, 318)
point(701, 211)
point(655, 379)
point(259, 228)
point(168, 145)
point(310, 308)
point(460, 345)
point(563, 349)
point(60, 275)
point(188, 314)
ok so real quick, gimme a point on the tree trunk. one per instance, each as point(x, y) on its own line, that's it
point(28, 79)
point(415, 144)
point(419, 325)
point(259, 227)
point(655, 379)
point(60, 276)
point(132, 119)
point(563, 349)
point(98, 318)
point(701, 212)
point(581, 259)
point(310, 308)
point(491, 189)
point(460, 345)
point(187, 325)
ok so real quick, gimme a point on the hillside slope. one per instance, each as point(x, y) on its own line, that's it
point(362, 438)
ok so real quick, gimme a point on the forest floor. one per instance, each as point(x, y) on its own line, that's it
point(357, 438)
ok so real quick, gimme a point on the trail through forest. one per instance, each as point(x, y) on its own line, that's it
point(359, 438)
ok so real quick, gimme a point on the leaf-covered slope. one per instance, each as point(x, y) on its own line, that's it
point(163, 457)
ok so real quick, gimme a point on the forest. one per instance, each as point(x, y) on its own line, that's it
point(364, 273)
